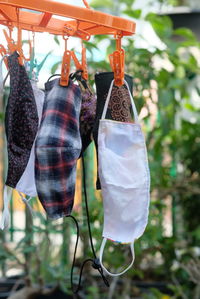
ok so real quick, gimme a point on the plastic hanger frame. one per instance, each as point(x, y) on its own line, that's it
point(89, 20)
point(83, 65)
point(40, 16)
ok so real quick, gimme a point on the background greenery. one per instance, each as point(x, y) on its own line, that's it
point(167, 261)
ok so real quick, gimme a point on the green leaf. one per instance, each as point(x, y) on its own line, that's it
point(185, 32)
point(25, 41)
point(29, 249)
point(56, 39)
point(190, 107)
point(180, 72)
point(165, 97)
point(129, 2)
point(161, 24)
point(100, 3)
point(198, 90)
point(43, 61)
point(136, 14)
point(55, 66)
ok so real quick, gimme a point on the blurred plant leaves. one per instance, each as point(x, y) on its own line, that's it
point(55, 67)
point(136, 14)
point(186, 33)
point(56, 39)
point(161, 24)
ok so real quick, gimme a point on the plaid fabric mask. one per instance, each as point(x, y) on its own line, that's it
point(58, 146)
point(21, 121)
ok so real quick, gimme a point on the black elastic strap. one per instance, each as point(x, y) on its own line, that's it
point(52, 76)
point(77, 74)
point(95, 262)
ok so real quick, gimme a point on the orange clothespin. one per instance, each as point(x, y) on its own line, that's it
point(12, 46)
point(83, 65)
point(65, 70)
point(19, 46)
point(3, 52)
point(117, 59)
point(10, 42)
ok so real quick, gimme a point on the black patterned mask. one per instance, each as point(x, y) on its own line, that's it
point(21, 120)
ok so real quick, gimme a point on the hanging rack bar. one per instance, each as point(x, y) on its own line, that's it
point(108, 24)
point(45, 19)
point(8, 14)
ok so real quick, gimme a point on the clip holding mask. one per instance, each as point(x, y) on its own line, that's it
point(117, 59)
point(65, 70)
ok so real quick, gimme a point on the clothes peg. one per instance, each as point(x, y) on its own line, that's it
point(65, 70)
point(83, 65)
point(19, 45)
point(3, 53)
point(12, 46)
point(117, 59)
point(10, 42)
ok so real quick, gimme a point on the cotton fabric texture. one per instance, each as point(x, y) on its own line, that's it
point(26, 183)
point(58, 146)
point(125, 179)
point(21, 121)
point(119, 107)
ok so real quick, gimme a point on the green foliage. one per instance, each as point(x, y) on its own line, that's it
point(133, 13)
point(161, 24)
point(55, 67)
point(56, 40)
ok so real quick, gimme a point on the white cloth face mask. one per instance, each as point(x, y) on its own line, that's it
point(125, 180)
point(26, 183)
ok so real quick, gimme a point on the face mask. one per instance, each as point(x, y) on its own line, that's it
point(125, 180)
point(58, 146)
point(119, 107)
point(21, 121)
point(21, 124)
point(26, 183)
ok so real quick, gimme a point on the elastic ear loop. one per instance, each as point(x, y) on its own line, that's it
point(5, 221)
point(107, 101)
point(2, 81)
point(131, 98)
point(101, 256)
point(26, 202)
point(132, 104)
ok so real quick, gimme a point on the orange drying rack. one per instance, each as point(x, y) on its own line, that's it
point(43, 16)
point(40, 16)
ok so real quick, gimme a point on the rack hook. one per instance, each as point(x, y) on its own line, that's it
point(86, 4)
